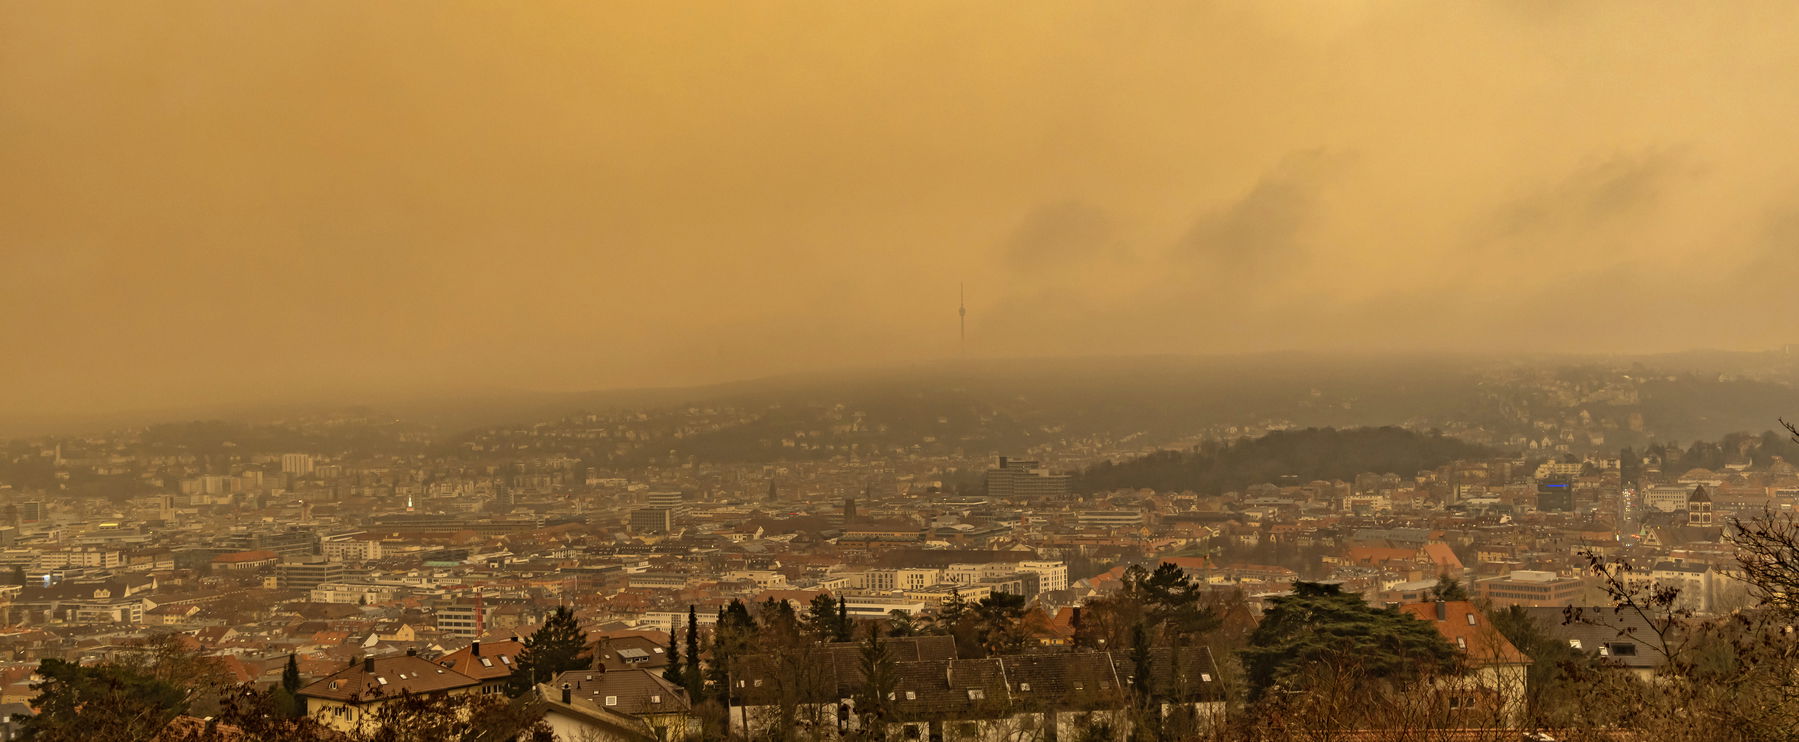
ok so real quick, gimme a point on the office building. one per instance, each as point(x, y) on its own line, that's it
point(1026, 479)
point(653, 520)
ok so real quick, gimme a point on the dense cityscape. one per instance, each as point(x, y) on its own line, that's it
point(749, 567)
point(891, 370)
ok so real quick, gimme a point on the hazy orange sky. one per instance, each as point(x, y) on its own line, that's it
point(243, 199)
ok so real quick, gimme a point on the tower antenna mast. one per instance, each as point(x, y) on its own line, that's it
point(962, 317)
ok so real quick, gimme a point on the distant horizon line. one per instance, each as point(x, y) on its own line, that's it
point(51, 424)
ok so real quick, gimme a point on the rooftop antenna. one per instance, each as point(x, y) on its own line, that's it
point(962, 316)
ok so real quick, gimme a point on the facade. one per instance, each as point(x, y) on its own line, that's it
point(349, 699)
point(1026, 479)
point(1493, 688)
point(1532, 589)
point(462, 620)
point(653, 520)
point(308, 575)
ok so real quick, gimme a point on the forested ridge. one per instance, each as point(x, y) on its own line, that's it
point(1312, 453)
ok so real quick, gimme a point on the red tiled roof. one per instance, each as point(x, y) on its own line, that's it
point(1467, 628)
point(495, 659)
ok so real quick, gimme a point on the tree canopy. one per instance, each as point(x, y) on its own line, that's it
point(1319, 625)
point(559, 646)
point(1312, 453)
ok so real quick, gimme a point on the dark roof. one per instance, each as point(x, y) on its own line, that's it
point(624, 652)
point(947, 688)
point(634, 692)
point(1604, 628)
point(387, 676)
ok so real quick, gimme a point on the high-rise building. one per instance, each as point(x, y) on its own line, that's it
point(1023, 478)
point(653, 520)
point(297, 464)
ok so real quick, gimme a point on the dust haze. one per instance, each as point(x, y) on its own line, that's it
point(221, 202)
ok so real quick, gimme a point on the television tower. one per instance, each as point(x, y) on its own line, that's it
point(962, 316)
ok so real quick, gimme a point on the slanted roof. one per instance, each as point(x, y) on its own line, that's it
point(386, 677)
point(633, 692)
point(1465, 626)
point(484, 661)
point(1602, 631)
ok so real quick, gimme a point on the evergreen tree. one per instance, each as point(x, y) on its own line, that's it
point(558, 647)
point(1143, 687)
point(844, 626)
point(733, 637)
point(999, 623)
point(821, 617)
point(900, 623)
point(290, 675)
point(780, 625)
point(672, 673)
point(1319, 625)
point(100, 703)
point(695, 681)
point(1448, 588)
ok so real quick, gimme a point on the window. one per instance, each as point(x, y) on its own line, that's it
point(758, 682)
point(976, 694)
point(1025, 687)
point(910, 696)
point(1205, 677)
point(1471, 619)
point(1078, 685)
point(1623, 649)
point(1575, 643)
point(505, 660)
point(485, 662)
point(655, 699)
point(381, 680)
point(1461, 642)
point(612, 700)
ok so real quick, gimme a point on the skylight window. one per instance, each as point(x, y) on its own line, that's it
point(976, 694)
point(612, 700)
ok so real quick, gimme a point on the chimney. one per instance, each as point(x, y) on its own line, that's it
point(568, 696)
point(1442, 611)
point(412, 651)
point(368, 664)
point(474, 648)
